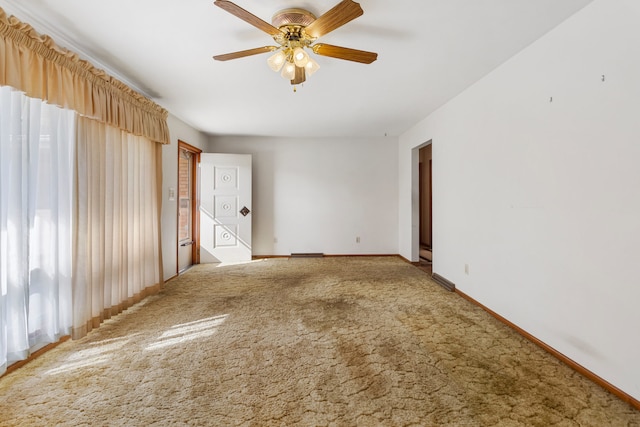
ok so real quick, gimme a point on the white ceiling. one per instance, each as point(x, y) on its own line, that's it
point(429, 51)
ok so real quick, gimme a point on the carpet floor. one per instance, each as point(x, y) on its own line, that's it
point(361, 341)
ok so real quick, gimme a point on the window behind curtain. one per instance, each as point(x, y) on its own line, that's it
point(117, 259)
point(36, 152)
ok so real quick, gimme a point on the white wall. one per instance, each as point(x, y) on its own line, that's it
point(318, 195)
point(179, 131)
point(542, 199)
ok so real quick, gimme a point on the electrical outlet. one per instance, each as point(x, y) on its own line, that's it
point(275, 240)
point(358, 239)
point(466, 269)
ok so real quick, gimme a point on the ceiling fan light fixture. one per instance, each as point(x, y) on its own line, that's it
point(311, 67)
point(289, 71)
point(277, 60)
point(300, 57)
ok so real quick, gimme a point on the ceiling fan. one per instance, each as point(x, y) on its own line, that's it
point(294, 30)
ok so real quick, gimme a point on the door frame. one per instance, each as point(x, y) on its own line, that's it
point(415, 201)
point(195, 202)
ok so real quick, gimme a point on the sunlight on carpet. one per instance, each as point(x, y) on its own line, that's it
point(188, 331)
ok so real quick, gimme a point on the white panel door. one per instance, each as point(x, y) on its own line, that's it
point(225, 208)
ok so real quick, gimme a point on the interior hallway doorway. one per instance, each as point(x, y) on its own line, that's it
point(425, 189)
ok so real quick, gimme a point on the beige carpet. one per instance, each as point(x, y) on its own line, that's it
point(334, 341)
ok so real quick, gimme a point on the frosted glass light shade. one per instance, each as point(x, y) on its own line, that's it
point(300, 57)
point(277, 60)
point(289, 71)
point(311, 67)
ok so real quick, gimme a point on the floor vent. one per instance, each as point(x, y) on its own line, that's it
point(307, 255)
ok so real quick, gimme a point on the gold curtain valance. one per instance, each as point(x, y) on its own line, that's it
point(34, 64)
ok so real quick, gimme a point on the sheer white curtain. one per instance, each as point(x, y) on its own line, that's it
point(117, 256)
point(36, 175)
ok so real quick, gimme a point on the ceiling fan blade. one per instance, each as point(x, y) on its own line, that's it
point(300, 76)
point(340, 14)
point(345, 53)
point(246, 16)
point(243, 53)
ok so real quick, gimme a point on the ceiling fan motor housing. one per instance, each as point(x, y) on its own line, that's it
point(292, 22)
point(294, 17)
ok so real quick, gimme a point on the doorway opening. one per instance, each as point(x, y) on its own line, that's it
point(425, 190)
point(188, 220)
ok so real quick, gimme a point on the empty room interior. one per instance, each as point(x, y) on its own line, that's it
point(322, 212)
